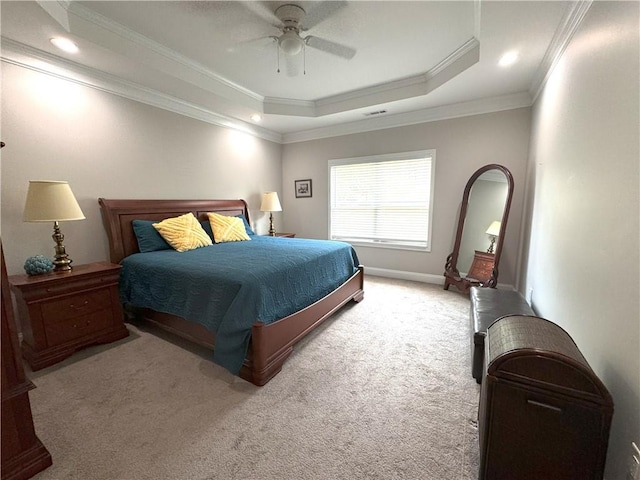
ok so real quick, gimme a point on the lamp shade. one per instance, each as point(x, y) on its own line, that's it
point(494, 229)
point(51, 201)
point(270, 202)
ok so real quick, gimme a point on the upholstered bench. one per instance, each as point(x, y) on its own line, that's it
point(488, 305)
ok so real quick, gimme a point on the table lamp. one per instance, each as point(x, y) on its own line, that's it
point(270, 203)
point(493, 231)
point(53, 201)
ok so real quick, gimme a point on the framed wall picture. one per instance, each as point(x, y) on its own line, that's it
point(303, 188)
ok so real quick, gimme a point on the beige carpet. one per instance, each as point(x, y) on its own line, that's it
point(383, 390)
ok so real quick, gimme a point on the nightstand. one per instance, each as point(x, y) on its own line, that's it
point(482, 266)
point(61, 313)
point(287, 235)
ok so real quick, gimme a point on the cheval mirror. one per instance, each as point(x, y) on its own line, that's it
point(481, 228)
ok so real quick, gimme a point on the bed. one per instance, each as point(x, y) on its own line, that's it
point(268, 341)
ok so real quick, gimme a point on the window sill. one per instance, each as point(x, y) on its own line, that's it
point(387, 246)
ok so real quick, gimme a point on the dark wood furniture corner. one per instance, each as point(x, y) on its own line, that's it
point(286, 235)
point(23, 454)
point(61, 313)
point(481, 267)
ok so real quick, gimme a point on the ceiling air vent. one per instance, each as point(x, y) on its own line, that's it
point(377, 112)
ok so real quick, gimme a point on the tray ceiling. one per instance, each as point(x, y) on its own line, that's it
point(218, 61)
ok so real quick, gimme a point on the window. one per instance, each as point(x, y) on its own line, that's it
point(383, 200)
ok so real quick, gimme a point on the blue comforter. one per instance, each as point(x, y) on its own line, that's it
point(228, 286)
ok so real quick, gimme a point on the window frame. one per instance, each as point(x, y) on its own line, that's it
point(386, 158)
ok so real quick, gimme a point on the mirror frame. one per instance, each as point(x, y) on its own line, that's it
point(451, 273)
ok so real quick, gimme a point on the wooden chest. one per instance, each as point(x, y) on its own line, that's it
point(543, 412)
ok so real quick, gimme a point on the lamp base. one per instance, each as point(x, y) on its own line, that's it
point(272, 230)
point(61, 261)
point(61, 264)
point(493, 242)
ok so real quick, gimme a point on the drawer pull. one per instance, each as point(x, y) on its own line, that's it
point(77, 307)
point(545, 405)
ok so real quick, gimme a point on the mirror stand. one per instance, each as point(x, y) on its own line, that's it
point(453, 277)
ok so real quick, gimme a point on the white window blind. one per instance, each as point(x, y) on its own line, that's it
point(383, 200)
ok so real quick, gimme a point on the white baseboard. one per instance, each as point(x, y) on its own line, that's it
point(416, 277)
point(402, 275)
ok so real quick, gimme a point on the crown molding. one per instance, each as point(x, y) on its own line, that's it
point(21, 55)
point(58, 10)
point(477, 17)
point(289, 106)
point(37, 60)
point(462, 58)
point(87, 23)
point(475, 107)
point(572, 19)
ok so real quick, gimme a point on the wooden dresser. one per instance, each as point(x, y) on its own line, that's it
point(482, 266)
point(64, 312)
point(23, 455)
point(543, 414)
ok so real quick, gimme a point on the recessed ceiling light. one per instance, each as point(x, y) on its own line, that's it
point(65, 44)
point(256, 117)
point(508, 59)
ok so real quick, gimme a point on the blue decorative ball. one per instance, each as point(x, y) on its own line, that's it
point(38, 265)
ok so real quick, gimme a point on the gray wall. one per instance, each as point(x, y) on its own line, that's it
point(462, 146)
point(581, 251)
point(108, 146)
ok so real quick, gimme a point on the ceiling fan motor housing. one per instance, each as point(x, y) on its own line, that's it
point(290, 15)
point(290, 41)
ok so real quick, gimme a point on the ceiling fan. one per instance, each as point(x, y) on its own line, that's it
point(291, 20)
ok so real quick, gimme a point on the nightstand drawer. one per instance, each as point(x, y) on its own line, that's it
point(75, 305)
point(71, 328)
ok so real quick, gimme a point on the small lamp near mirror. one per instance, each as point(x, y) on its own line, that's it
point(494, 232)
point(53, 201)
point(271, 203)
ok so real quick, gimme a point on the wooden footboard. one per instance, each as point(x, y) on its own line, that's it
point(270, 344)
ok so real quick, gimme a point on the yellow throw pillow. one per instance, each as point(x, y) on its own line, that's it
point(227, 229)
point(183, 233)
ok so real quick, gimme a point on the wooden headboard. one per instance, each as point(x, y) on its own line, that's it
point(118, 216)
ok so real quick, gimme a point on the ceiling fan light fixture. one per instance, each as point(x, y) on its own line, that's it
point(290, 43)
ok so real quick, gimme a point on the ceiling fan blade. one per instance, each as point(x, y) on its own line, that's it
point(320, 12)
point(260, 42)
point(330, 47)
point(263, 11)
